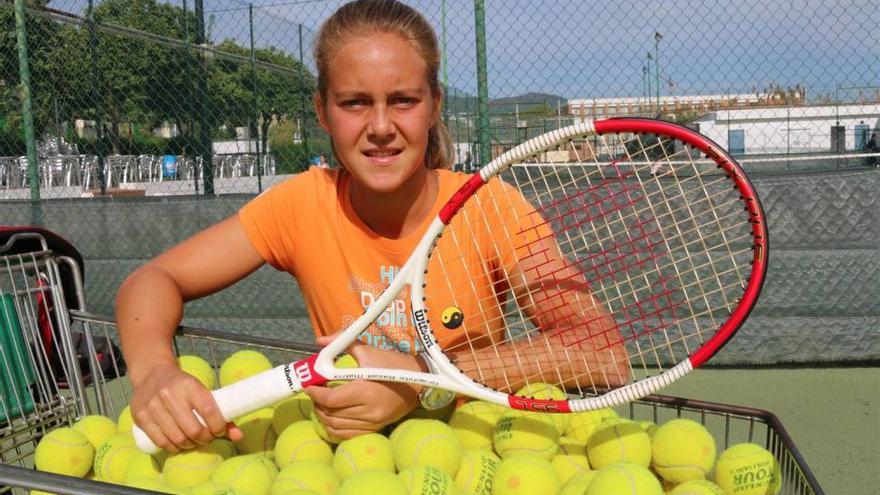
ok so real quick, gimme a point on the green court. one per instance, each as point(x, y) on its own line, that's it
point(831, 414)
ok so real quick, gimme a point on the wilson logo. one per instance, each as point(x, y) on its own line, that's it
point(303, 371)
point(421, 321)
point(287, 372)
point(538, 404)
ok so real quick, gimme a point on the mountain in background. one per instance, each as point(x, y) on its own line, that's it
point(458, 101)
point(528, 100)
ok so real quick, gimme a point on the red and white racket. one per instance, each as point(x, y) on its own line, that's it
point(608, 258)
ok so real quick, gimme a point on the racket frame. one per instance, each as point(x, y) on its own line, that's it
point(263, 389)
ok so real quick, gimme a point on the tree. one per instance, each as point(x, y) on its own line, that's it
point(42, 38)
point(283, 89)
point(142, 80)
point(147, 73)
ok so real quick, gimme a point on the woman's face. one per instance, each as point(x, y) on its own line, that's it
point(379, 110)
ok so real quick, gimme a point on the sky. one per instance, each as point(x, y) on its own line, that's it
point(595, 49)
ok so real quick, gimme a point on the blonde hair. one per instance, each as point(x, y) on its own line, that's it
point(364, 17)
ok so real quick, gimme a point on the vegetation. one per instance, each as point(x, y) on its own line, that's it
point(142, 72)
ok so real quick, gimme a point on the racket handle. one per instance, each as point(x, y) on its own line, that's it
point(242, 397)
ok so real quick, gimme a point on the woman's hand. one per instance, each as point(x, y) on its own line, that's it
point(163, 405)
point(361, 406)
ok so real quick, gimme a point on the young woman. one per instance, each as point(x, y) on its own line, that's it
point(341, 232)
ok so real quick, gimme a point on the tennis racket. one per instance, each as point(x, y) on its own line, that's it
point(608, 258)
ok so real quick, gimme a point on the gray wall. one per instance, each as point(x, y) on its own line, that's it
point(821, 301)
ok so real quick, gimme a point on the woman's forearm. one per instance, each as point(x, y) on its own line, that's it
point(545, 358)
point(149, 307)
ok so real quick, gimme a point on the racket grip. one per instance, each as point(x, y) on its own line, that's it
point(240, 398)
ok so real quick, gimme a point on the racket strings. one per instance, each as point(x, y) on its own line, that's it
point(660, 267)
point(637, 249)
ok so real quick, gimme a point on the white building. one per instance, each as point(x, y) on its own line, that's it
point(600, 108)
point(798, 129)
point(753, 124)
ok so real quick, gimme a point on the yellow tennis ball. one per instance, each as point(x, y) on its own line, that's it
point(371, 451)
point(113, 456)
point(525, 474)
point(624, 478)
point(581, 425)
point(289, 411)
point(619, 440)
point(124, 422)
point(474, 423)
point(682, 450)
point(64, 451)
point(259, 435)
point(441, 414)
point(400, 428)
point(322, 430)
point(224, 447)
point(540, 390)
point(141, 466)
point(343, 361)
point(477, 471)
point(300, 442)
point(431, 442)
point(154, 484)
point(317, 477)
point(213, 488)
point(423, 479)
point(294, 491)
point(517, 433)
point(249, 474)
point(650, 427)
point(191, 467)
point(571, 446)
point(578, 483)
point(570, 459)
point(198, 368)
point(365, 482)
point(748, 469)
point(96, 428)
point(697, 487)
point(241, 365)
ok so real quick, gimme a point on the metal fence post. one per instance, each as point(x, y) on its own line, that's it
point(205, 151)
point(27, 104)
point(482, 82)
point(255, 126)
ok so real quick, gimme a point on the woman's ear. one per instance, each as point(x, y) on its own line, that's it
point(320, 111)
point(438, 106)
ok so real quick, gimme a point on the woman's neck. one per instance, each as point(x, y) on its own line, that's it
point(398, 213)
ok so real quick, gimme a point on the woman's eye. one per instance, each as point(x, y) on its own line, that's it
point(353, 103)
point(405, 101)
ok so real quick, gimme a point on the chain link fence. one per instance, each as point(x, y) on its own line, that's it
point(210, 97)
point(127, 125)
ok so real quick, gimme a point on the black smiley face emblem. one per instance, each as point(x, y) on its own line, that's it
point(452, 317)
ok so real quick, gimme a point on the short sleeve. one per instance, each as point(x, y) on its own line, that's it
point(517, 226)
point(270, 224)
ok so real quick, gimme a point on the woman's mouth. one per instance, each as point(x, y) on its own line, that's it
point(382, 153)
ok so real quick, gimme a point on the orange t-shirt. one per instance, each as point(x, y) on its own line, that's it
point(307, 227)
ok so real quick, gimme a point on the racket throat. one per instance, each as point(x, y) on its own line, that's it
point(302, 374)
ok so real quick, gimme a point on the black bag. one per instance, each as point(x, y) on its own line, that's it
point(108, 358)
point(107, 355)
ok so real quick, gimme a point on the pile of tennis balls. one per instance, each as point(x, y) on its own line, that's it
point(474, 448)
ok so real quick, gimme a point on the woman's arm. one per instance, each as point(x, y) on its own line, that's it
point(579, 345)
point(149, 306)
